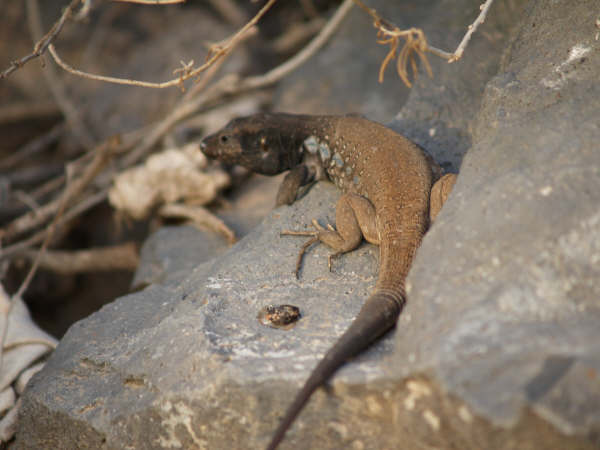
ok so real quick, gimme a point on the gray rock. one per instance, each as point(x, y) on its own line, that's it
point(134, 373)
point(439, 110)
point(169, 254)
point(497, 347)
point(508, 315)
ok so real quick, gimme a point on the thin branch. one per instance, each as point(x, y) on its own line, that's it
point(471, 29)
point(297, 34)
point(34, 110)
point(75, 211)
point(26, 199)
point(200, 217)
point(72, 190)
point(33, 147)
point(232, 84)
point(415, 43)
point(114, 80)
point(299, 58)
point(228, 85)
point(41, 45)
point(36, 218)
point(216, 52)
point(117, 257)
point(56, 85)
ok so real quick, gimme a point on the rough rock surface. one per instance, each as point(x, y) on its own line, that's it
point(497, 347)
point(169, 254)
point(514, 293)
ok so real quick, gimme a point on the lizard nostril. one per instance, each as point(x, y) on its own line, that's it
point(202, 145)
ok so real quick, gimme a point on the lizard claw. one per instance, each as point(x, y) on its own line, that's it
point(314, 238)
point(330, 259)
point(317, 225)
point(301, 253)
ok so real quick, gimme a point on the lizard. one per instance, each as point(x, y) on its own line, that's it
point(388, 187)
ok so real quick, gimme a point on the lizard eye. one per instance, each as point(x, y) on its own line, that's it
point(263, 144)
point(224, 139)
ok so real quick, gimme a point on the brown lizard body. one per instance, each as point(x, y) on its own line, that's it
point(387, 182)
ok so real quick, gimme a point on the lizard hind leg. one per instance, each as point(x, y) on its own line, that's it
point(439, 194)
point(355, 218)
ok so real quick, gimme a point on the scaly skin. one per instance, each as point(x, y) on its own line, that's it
point(387, 181)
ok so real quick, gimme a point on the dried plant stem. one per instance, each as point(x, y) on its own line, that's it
point(41, 45)
point(216, 52)
point(471, 29)
point(72, 190)
point(78, 209)
point(300, 58)
point(33, 147)
point(39, 216)
point(415, 43)
point(232, 84)
point(297, 34)
point(200, 217)
point(55, 84)
point(140, 142)
point(117, 257)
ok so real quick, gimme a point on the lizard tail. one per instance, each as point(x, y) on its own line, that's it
point(378, 315)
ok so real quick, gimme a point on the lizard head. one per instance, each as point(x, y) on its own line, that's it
point(256, 142)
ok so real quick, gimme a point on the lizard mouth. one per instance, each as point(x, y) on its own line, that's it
point(208, 149)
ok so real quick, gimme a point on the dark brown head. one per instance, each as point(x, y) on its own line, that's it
point(262, 143)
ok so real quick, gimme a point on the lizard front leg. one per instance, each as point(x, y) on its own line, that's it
point(296, 177)
point(355, 218)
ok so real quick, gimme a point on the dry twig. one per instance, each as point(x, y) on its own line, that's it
point(85, 205)
point(35, 218)
point(200, 217)
point(232, 84)
point(216, 52)
point(21, 111)
point(33, 147)
point(54, 82)
point(42, 44)
point(415, 43)
point(296, 34)
point(117, 257)
point(72, 190)
point(141, 141)
point(471, 29)
point(299, 58)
